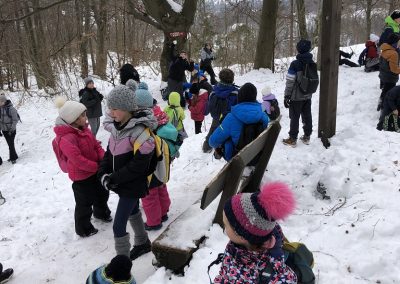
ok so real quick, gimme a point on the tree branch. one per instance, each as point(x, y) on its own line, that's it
point(37, 10)
point(144, 17)
point(189, 10)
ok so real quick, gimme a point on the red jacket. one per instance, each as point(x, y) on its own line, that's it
point(81, 149)
point(198, 105)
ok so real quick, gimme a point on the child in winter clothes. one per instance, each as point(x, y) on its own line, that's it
point(156, 203)
point(91, 98)
point(197, 106)
point(117, 271)
point(176, 113)
point(8, 125)
point(250, 221)
point(76, 146)
point(125, 171)
point(267, 98)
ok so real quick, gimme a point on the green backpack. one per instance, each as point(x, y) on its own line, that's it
point(299, 258)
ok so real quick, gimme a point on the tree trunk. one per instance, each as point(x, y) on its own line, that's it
point(82, 37)
point(368, 18)
point(100, 15)
point(291, 29)
point(301, 17)
point(266, 36)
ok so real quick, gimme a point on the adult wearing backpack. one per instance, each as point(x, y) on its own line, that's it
point(248, 111)
point(8, 125)
point(389, 68)
point(207, 56)
point(221, 99)
point(91, 98)
point(392, 23)
point(297, 99)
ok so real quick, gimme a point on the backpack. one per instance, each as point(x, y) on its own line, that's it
point(248, 134)
point(61, 158)
point(299, 258)
point(391, 123)
point(221, 107)
point(160, 162)
point(275, 110)
point(170, 135)
point(175, 117)
point(309, 80)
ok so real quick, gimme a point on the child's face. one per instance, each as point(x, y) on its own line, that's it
point(232, 234)
point(81, 121)
point(90, 85)
point(120, 116)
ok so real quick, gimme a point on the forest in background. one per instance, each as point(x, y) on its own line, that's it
point(45, 38)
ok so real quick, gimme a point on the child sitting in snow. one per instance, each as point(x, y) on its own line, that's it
point(79, 154)
point(176, 114)
point(117, 271)
point(255, 246)
point(197, 106)
point(270, 104)
point(156, 204)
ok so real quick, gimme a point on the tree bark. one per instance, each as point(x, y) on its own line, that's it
point(291, 29)
point(100, 15)
point(82, 37)
point(301, 17)
point(368, 18)
point(266, 36)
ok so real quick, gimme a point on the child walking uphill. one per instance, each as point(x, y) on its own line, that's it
point(156, 203)
point(176, 114)
point(125, 171)
point(255, 245)
point(79, 154)
point(8, 125)
point(197, 106)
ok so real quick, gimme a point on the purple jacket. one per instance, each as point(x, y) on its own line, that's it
point(266, 104)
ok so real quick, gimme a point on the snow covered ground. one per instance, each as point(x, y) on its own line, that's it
point(354, 236)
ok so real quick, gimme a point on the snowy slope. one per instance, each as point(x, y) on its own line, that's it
point(353, 236)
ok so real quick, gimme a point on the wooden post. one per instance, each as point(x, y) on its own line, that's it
point(330, 40)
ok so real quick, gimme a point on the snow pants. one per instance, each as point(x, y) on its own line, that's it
point(156, 204)
point(297, 109)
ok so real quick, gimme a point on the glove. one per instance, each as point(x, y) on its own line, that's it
point(105, 181)
point(286, 102)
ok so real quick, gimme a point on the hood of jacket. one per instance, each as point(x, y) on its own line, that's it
point(174, 99)
point(202, 92)
point(305, 57)
point(223, 90)
point(7, 104)
point(268, 97)
point(369, 43)
point(248, 112)
point(392, 23)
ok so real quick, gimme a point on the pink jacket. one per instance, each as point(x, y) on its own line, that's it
point(81, 149)
point(198, 105)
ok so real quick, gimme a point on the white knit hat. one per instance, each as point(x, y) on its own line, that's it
point(69, 111)
point(266, 91)
point(374, 38)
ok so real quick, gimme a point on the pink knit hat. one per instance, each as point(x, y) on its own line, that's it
point(253, 216)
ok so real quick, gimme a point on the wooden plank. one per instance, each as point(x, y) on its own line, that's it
point(330, 43)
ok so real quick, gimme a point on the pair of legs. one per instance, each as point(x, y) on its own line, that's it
point(214, 125)
point(128, 210)
point(94, 125)
point(156, 205)
point(197, 126)
point(297, 109)
point(385, 88)
point(90, 197)
point(10, 139)
point(210, 71)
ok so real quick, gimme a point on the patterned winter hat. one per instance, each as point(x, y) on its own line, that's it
point(253, 216)
point(303, 46)
point(69, 111)
point(119, 269)
point(143, 96)
point(123, 97)
point(127, 72)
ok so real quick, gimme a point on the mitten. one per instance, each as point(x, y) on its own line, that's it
point(286, 102)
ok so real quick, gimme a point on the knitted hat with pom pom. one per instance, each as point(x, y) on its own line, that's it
point(123, 97)
point(143, 96)
point(69, 111)
point(253, 216)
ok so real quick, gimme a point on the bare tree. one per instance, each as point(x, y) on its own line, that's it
point(266, 36)
point(301, 17)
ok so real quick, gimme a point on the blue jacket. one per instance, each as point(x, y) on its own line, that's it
point(223, 97)
point(228, 133)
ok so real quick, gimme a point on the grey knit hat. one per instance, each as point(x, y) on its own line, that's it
point(123, 97)
point(143, 96)
point(88, 80)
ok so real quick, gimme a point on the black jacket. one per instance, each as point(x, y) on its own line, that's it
point(91, 98)
point(392, 100)
point(177, 69)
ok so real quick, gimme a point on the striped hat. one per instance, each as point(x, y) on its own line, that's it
point(253, 216)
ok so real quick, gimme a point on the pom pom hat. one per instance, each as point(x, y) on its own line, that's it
point(253, 216)
point(69, 111)
point(123, 97)
point(143, 96)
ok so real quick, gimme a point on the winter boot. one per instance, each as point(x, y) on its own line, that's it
point(152, 228)
point(5, 275)
point(122, 245)
point(139, 250)
point(290, 142)
point(305, 139)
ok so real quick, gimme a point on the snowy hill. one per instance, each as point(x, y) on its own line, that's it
point(353, 236)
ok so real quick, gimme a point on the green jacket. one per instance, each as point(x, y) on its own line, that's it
point(392, 23)
point(174, 110)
